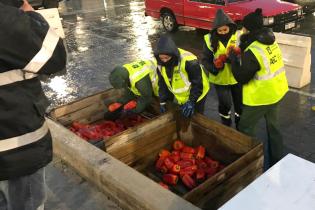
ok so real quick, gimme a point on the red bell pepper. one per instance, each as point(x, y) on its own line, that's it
point(77, 125)
point(114, 106)
point(159, 163)
point(164, 185)
point(184, 163)
point(164, 153)
point(164, 169)
point(170, 179)
point(178, 145)
point(175, 169)
point(130, 105)
point(210, 171)
point(201, 152)
point(201, 164)
point(175, 152)
point(212, 163)
point(168, 163)
point(186, 156)
point(200, 174)
point(188, 149)
point(190, 170)
point(188, 181)
point(175, 158)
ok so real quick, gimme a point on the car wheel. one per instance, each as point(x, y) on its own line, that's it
point(50, 4)
point(169, 22)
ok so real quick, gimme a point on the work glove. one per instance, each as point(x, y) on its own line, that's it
point(163, 107)
point(188, 109)
point(234, 57)
point(126, 113)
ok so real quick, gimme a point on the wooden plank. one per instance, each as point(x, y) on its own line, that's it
point(143, 142)
point(232, 186)
point(125, 186)
point(84, 102)
point(228, 135)
point(84, 113)
point(229, 171)
point(131, 133)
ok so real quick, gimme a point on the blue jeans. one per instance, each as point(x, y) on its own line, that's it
point(24, 193)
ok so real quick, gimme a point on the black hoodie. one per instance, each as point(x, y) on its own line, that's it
point(245, 71)
point(167, 46)
point(221, 19)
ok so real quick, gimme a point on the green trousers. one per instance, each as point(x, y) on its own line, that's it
point(249, 119)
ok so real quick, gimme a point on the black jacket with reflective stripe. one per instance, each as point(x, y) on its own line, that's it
point(22, 101)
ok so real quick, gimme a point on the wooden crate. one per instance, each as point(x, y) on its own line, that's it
point(137, 147)
point(242, 155)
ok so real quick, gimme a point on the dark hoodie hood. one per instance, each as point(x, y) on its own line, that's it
point(222, 19)
point(264, 36)
point(13, 3)
point(166, 46)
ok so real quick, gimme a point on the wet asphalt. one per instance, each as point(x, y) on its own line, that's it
point(102, 34)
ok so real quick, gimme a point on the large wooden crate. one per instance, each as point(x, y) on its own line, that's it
point(138, 147)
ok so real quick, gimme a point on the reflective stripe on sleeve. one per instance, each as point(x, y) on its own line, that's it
point(28, 138)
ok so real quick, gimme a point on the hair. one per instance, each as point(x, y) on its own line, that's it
point(214, 39)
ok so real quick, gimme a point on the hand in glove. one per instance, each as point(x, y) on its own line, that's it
point(188, 109)
point(233, 57)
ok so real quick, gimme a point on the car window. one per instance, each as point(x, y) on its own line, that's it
point(218, 2)
point(231, 1)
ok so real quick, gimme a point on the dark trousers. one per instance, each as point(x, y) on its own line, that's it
point(249, 119)
point(226, 95)
point(200, 105)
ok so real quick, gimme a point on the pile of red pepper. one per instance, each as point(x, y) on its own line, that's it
point(106, 128)
point(189, 164)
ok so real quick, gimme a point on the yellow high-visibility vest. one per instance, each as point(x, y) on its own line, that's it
point(138, 70)
point(225, 76)
point(180, 85)
point(269, 84)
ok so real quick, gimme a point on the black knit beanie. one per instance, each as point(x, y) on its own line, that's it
point(254, 21)
point(13, 3)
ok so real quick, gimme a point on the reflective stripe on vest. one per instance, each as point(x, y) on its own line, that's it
point(225, 76)
point(138, 70)
point(180, 84)
point(269, 84)
point(28, 138)
point(38, 61)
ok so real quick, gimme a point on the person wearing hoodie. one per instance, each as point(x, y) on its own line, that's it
point(139, 81)
point(262, 74)
point(181, 78)
point(29, 48)
point(223, 36)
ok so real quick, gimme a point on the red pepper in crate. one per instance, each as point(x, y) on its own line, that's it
point(159, 163)
point(114, 106)
point(178, 145)
point(201, 164)
point(188, 149)
point(190, 170)
point(175, 169)
point(201, 152)
point(188, 181)
point(212, 163)
point(175, 158)
point(175, 153)
point(164, 169)
point(130, 105)
point(164, 185)
point(170, 179)
point(78, 126)
point(186, 156)
point(184, 163)
point(164, 153)
point(168, 163)
point(200, 174)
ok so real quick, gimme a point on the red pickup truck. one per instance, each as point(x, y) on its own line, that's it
point(278, 15)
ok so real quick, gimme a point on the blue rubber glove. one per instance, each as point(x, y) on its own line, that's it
point(163, 107)
point(188, 109)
